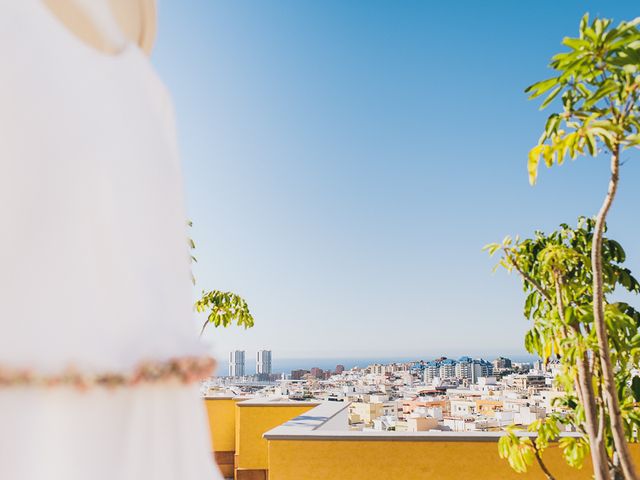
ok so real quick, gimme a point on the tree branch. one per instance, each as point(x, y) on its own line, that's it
point(543, 467)
point(527, 277)
point(204, 325)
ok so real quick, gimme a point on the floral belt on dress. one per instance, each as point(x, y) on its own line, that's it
point(184, 369)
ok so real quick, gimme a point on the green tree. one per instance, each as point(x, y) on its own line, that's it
point(557, 279)
point(221, 308)
point(598, 82)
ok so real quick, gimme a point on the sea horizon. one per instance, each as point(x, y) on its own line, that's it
point(286, 365)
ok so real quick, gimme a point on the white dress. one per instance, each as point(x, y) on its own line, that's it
point(97, 349)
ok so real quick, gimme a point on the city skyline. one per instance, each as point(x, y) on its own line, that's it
point(331, 364)
point(344, 165)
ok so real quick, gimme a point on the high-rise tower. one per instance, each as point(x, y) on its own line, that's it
point(263, 362)
point(236, 363)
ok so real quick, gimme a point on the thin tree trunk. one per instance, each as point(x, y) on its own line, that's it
point(610, 394)
point(587, 397)
point(599, 456)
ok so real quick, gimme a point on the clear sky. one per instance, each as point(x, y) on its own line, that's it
point(345, 162)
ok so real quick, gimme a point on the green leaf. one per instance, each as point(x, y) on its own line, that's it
point(550, 97)
point(591, 143)
point(635, 388)
point(605, 89)
point(541, 87)
point(584, 23)
point(534, 160)
point(575, 43)
point(492, 248)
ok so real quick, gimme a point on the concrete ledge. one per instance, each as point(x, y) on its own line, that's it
point(223, 397)
point(276, 402)
point(313, 420)
point(357, 436)
point(310, 427)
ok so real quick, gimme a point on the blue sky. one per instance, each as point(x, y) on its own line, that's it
point(345, 162)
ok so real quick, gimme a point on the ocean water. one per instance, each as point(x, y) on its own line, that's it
point(285, 365)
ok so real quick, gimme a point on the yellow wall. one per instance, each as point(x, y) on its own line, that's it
point(222, 426)
point(383, 460)
point(252, 422)
point(240, 428)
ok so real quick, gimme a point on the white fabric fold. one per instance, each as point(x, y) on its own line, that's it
point(94, 261)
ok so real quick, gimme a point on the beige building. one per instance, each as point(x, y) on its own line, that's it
point(489, 407)
point(364, 412)
point(367, 412)
point(524, 382)
point(421, 424)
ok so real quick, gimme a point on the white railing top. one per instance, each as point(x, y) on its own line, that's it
point(309, 426)
point(275, 402)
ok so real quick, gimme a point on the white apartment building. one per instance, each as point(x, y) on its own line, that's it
point(431, 372)
point(263, 362)
point(463, 370)
point(528, 415)
point(236, 363)
point(472, 370)
point(447, 369)
point(479, 370)
point(462, 407)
